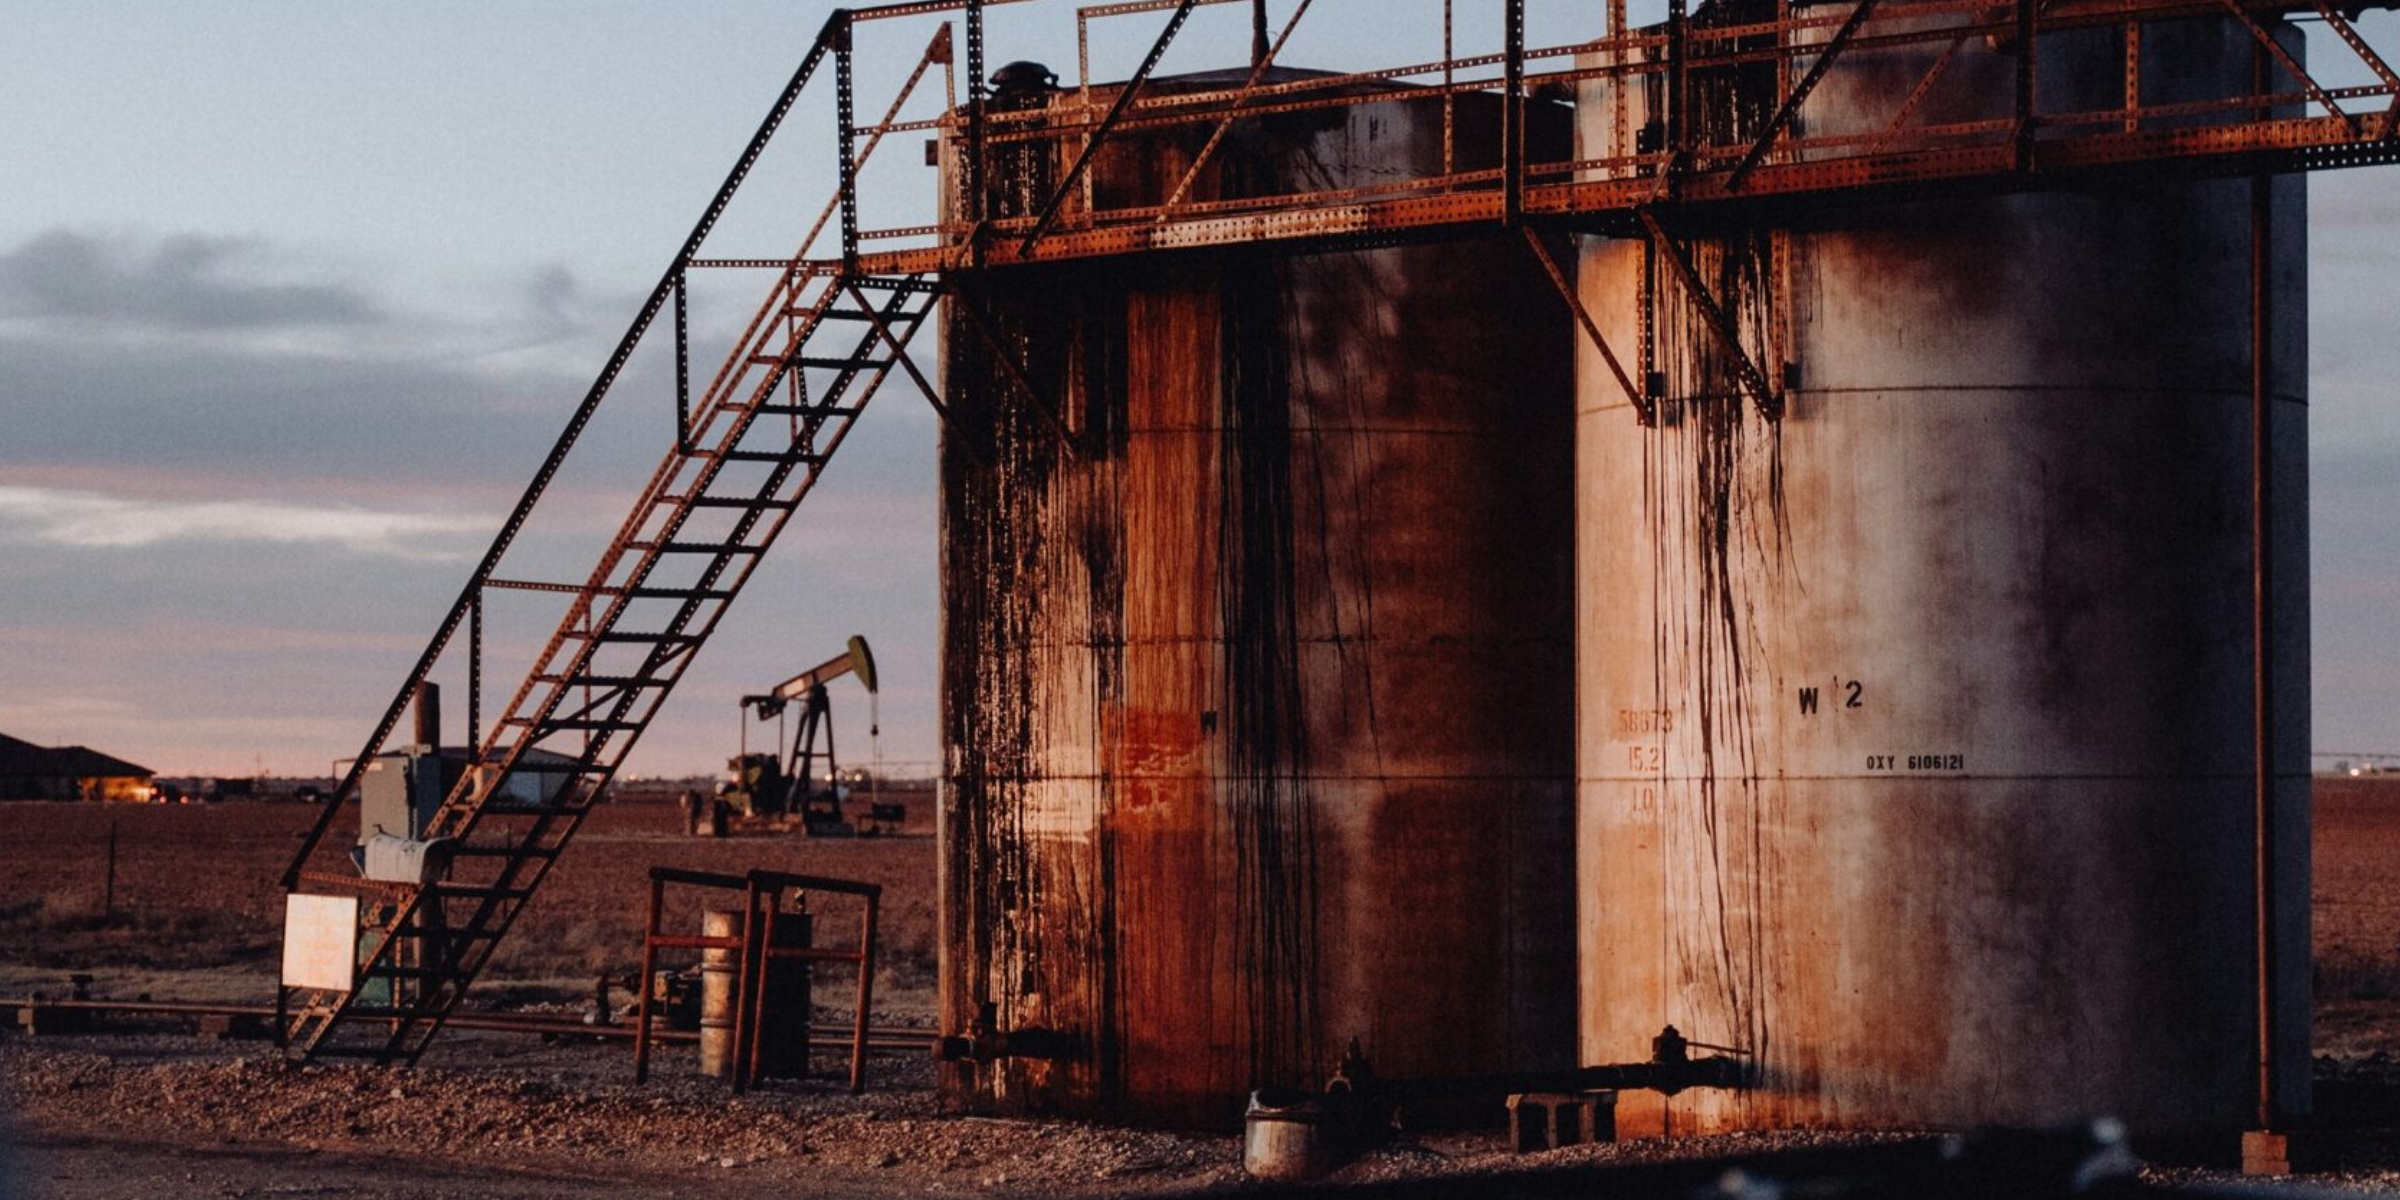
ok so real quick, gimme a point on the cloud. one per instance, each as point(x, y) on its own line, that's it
point(93, 520)
point(186, 282)
point(231, 359)
point(237, 358)
point(235, 507)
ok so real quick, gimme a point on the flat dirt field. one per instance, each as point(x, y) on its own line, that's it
point(198, 903)
point(143, 1107)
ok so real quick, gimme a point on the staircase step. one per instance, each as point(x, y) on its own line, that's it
point(576, 725)
point(611, 682)
point(808, 410)
point(694, 548)
point(532, 585)
point(742, 502)
point(904, 317)
point(616, 637)
point(666, 593)
point(765, 456)
point(821, 362)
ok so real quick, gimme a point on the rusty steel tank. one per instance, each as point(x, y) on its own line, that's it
point(1258, 701)
point(1915, 722)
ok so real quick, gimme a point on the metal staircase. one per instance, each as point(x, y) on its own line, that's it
point(698, 532)
point(745, 453)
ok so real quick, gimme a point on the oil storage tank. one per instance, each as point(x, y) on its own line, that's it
point(1915, 721)
point(1258, 700)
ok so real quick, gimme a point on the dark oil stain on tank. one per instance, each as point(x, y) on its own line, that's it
point(1011, 518)
point(1718, 493)
point(1265, 744)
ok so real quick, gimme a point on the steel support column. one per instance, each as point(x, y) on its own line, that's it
point(971, 171)
point(1512, 118)
point(475, 680)
point(2262, 631)
point(845, 100)
point(683, 364)
point(1643, 410)
point(2027, 36)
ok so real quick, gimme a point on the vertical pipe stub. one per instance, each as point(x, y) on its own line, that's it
point(429, 715)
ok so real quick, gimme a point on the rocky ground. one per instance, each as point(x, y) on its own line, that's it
point(196, 903)
point(555, 1120)
point(153, 1111)
point(108, 1116)
point(115, 1116)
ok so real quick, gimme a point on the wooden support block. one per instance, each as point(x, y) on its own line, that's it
point(1539, 1121)
point(2265, 1152)
point(39, 1019)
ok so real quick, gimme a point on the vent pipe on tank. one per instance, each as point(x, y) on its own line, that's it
point(429, 715)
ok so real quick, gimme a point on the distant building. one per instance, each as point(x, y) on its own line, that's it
point(30, 772)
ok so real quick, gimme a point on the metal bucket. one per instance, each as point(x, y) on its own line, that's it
point(1286, 1136)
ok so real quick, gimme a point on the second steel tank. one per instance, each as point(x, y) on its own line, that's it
point(1915, 720)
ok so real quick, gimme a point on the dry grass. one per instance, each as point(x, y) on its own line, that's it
point(2351, 975)
point(198, 890)
point(197, 893)
point(78, 936)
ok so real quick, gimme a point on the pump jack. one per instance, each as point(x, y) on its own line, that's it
point(778, 785)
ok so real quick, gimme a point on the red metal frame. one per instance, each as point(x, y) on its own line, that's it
point(763, 895)
point(2031, 147)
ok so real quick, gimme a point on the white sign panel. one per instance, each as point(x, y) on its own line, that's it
point(320, 942)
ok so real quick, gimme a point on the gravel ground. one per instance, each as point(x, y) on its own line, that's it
point(123, 1116)
point(107, 1117)
point(159, 1099)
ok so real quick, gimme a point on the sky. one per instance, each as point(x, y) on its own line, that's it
point(295, 295)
